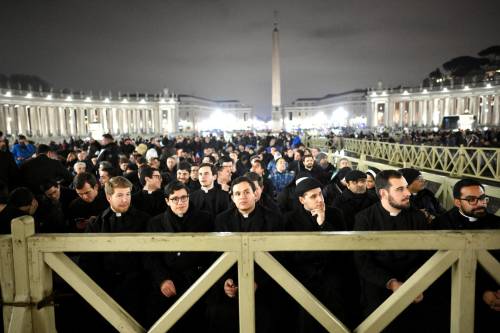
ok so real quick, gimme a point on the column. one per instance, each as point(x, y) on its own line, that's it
point(422, 117)
point(62, 121)
point(22, 119)
point(3, 118)
point(448, 107)
point(34, 126)
point(435, 112)
point(51, 121)
point(402, 106)
point(411, 113)
point(496, 111)
point(487, 111)
point(390, 112)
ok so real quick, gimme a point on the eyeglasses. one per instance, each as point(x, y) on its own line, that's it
point(475, 200)
point(176, 200)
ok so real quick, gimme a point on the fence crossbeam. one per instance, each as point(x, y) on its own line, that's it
point(411, 288)
point(92, 293)
point(194, 293)
point(292, 286)
point(490, 264)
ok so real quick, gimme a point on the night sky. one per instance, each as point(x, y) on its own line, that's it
point(221, 49)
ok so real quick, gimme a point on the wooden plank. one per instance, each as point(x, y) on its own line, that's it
point(246, 289)
point(463, 292)
point(490, 264)
point(7, 285)
point(194, 293)
point(406, 294)
point(18, 319)
point(292, 286)
point(141, 242)
point(92, 293)
point(22, 228)
point(286, 241)
point(41, 286)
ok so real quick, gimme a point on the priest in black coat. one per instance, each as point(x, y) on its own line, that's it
point(323, 273)
point(120, 274)
point(383, 272)
point(210, 197)
point(245, 216)
point(171, 274)
point(470, 213)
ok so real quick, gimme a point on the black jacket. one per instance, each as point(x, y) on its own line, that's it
point(183, 268)
point(351, 204)
point(120, 274)
point(425, 199)
point(150, 203)
point(214, 201)
point(376, 268)
point(110, 153)
point(39, 170)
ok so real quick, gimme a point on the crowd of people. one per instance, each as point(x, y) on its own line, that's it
point(249, 183)
point(485, 138)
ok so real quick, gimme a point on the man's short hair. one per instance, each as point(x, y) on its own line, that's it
point(20, 197)
point(211, 158)
point(255, 178)
point(242, 179)
point(43, 149)
point(111, 171)
point(259, 162)
point(147, 171)
point(184, 166)
point(457, 189)
point(212, 167)
point(84, 178)
point(108, 136)
point(383, 178)
point(117, 182)
point(48, 185)
point(173, 186)
point(224, 159)
point(21, 137)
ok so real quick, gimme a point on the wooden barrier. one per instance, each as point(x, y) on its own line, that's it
point(459, 250)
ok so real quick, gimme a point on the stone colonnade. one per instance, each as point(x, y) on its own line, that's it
point(427, 110)
point(43, 119)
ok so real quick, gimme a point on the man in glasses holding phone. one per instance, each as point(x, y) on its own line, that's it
point(470, 213)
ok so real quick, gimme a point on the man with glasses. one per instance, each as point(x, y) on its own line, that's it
point(172, 273)
point(470, 213)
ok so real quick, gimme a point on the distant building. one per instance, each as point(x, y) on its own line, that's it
point(333, 110)
point(56, 115)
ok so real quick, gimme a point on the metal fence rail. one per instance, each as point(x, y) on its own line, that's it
point(43, 254)
point(481, 163)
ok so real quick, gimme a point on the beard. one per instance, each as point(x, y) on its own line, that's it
point(475, 212)
point(398, 205)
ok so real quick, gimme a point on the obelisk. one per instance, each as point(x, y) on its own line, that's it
point(276, 76)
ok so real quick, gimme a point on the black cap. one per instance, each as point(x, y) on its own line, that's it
point(306, 184)
point(354, 175)
point(410, 174)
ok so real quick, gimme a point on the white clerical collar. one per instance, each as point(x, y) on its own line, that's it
point(245, 215)
point(394, 214)
point(206, 189)
point(470, 218)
